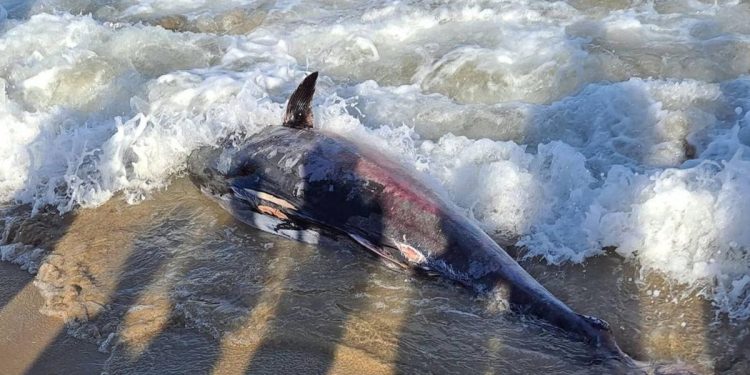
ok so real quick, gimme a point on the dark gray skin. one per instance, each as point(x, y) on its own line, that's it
point(309, 180)
point(344, 188)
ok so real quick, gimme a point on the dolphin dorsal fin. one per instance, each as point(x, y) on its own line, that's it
point(298, 111)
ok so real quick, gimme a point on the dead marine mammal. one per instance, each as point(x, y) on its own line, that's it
point(296, 181)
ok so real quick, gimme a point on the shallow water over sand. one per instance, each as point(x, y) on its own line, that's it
point(567, 127)
point(612, 137)
point(174, 284)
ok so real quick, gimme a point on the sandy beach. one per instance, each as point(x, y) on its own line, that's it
point(605, 145)
point(32, 343)
point(174, 284)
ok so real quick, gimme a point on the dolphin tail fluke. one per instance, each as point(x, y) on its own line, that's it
point(298, 111)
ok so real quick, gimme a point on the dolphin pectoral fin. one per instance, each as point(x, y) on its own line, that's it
point(298, 111)
point(379, 251)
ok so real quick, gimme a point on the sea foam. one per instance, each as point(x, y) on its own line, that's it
point(561, 129)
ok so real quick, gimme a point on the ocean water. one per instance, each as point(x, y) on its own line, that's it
point(570, 130)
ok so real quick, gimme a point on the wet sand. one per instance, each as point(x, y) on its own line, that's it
point(26, 334)
point(175, 285)
point(32, 343)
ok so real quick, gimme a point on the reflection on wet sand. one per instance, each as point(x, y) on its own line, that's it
point(239, 345)
point(15, 307)
point(665, 329)
point(174, 284)
point(25, 243)
point(653, 319)
point(28, 338)
point(372, 332)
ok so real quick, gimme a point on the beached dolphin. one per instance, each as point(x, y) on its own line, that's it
point(298, 182)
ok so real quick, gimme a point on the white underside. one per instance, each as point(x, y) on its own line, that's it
point(273, 225)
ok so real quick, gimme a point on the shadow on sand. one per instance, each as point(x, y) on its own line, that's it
point(187, 272)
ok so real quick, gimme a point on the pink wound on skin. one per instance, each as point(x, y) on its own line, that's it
point(412, 255)
point(398, 188)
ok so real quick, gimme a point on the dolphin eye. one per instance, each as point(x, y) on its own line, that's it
point(246, 169)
